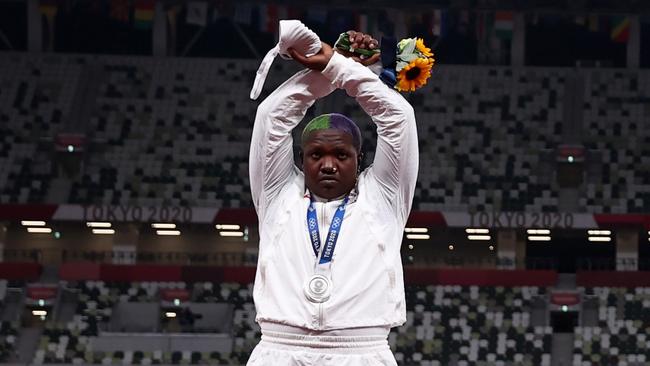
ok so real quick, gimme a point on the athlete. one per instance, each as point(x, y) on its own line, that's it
point(329, 284)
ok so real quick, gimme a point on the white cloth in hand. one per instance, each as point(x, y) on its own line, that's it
point(293, 34)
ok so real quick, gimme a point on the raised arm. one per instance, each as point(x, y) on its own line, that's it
point(271, 164)
point(395, 167)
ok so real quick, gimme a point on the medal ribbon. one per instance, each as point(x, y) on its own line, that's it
point(332, 234)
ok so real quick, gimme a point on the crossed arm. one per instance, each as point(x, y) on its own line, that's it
point(396, 158)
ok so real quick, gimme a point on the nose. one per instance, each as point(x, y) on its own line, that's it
point(328, 166)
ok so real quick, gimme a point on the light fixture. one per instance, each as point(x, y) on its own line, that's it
point(170, 314)
point(158, 225)
point(177, 302)
point(32, 223)
point(538, 231)
point(451, 247)
point(477, 231)
point(418, 236)
point(479, 237)
point(599, 232)
point(104, 231)
point(539, 238)
point(41, 230)
point(600, 238)
point(416, 230)
point(491, 247)
point(411, 246)
point(227, 227)
point(168, 232)
point(231, 233)
point(39, 312)
point(98, 224)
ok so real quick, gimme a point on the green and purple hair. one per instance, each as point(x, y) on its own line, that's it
point(334, 121)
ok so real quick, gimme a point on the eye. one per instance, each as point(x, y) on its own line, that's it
point(342, 156)
point(315, 155)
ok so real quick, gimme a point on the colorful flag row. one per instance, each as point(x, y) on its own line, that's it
point(618, 27)
point(265, 17)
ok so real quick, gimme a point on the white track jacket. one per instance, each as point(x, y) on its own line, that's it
point(366, 269)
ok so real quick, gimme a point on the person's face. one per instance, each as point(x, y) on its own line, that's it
point(330, 162)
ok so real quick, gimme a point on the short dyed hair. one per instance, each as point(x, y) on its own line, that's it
point(334, 121)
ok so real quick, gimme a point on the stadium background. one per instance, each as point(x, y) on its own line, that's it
point(126, 225)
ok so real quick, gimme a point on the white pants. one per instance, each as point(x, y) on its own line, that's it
point(289, 346)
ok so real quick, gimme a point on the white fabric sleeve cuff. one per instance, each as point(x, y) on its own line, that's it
point(334, 67)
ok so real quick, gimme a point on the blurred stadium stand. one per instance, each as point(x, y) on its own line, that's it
point(564, 137)
point(177, 132)
point(454, 317)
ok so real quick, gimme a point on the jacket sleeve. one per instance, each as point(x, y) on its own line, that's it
point(395, 167)
point(271, 164)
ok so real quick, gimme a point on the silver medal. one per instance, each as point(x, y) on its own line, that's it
point(318, 288)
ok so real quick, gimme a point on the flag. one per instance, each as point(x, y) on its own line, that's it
point(243, 13)
point(464, 22)
point(366, 23)
point(268, 18)
point(593, 23)
point(294, 13)
point(283, 12)
point(480, 25)
point(197, 13)
point(172, 14)
point(436, 26)
point(384, 25)
point(361, 23)
point(272, 21)
point(484, 26)
point(340, 21)
point(48, 8)
point(120, 10)
point(373, 24)
point(620, 29)
point(464, 17)
point(399, 19)
point(143, 13)
point(446, 21)
point(317, 15)
point(504, 24)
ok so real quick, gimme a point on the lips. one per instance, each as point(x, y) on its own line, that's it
point(328, 181)
point(328, 178)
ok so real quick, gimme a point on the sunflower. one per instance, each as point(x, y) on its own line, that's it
point(419, 45)
point(414, 75)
